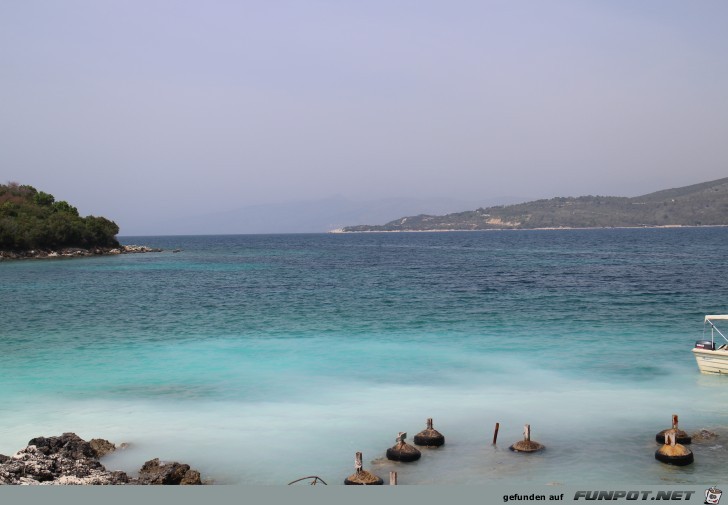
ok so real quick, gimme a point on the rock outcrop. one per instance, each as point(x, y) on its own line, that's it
point(75, 252)
point(70, 460)
point(156, 472)
point(101, 446)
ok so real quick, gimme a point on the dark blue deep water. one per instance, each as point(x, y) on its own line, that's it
point(242, 352)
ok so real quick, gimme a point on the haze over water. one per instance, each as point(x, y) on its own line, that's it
point(259, 359)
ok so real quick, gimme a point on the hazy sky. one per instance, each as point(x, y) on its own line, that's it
point(151, 107)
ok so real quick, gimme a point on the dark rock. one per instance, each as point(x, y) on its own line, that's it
point(68, 445)
point(156, 472)
point(101, 446)
point(69, 459)
point(120, 477)
point(191, 478)
point(31, 466)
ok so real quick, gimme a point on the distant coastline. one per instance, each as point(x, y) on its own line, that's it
point(697, 205)
point(547, 228)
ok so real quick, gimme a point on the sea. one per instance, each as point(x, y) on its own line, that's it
point(261, 359)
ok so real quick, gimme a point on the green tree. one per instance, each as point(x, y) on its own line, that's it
point(101, 232)
point(43, 199)
point(63, 206)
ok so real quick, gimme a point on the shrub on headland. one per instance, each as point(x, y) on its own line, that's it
point(32, 219)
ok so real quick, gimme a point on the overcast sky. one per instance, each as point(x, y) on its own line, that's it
point(141, 108)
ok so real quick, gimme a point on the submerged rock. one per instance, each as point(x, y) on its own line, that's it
point(70, 460)
point(704, 435)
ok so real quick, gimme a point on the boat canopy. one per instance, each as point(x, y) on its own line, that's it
point(716, 318)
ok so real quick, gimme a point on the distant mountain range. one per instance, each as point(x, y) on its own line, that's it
point(704, 204)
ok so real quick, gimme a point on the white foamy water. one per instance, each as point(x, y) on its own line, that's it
point(593, 431)
point(259, 360)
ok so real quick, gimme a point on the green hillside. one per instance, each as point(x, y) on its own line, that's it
point(702, 204)
point(31, 219)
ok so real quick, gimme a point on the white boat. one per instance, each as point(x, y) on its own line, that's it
point(712, 357)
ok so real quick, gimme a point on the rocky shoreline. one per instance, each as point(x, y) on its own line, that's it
point(75, 252)
point(70, 460)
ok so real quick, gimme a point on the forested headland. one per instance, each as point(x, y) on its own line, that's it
point(32, 219)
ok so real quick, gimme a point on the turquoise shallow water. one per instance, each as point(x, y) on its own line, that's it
point(260, 359)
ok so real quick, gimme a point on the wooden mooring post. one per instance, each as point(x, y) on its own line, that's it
point(526, 445)
point(681, 436)
point(360, 476)
point(673, 453)
point(429, 437)
point(392, 478)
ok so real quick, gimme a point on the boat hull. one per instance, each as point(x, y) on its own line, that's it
point(712, 361)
